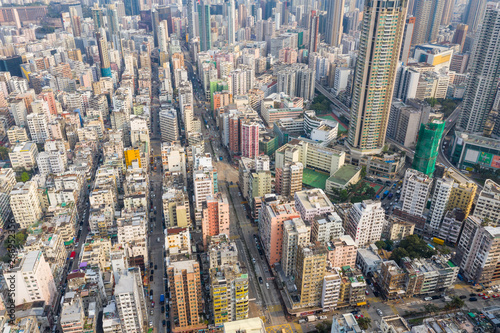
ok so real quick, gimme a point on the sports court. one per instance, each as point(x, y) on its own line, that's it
point(315, 179)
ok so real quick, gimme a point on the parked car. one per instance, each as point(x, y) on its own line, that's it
point(486, 297)
point(472, 299)
point(260, 280)
point(480, 294)
point(472, 295)
point(164, 322)
point(463, 297)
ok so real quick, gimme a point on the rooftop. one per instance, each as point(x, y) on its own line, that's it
point(343, 175)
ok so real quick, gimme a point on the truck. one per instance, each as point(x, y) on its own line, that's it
point(72, 255)
point(310, 319)
point(385, 194)
point(162, 299)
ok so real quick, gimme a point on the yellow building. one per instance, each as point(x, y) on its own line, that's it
point(132, 154)
point(310, 271)
point(229, 293)
point(462, 193)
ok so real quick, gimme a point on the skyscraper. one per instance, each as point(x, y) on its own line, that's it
point(97, 16)
point(249, 139)
point(428, 15)
point(132, 7)
point(191, 19)
point(484, 73)
point(427, 149)
point(474, 14)
point(313, 32)
point(380, 43)
point(335, 10)
point(407, 37)
point(231, 24)
point(102, 46)
point(459, 35)
point(163, 36)
point(205, 29)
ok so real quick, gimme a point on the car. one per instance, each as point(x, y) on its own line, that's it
point(151, 264)
point(366, 292)
point(162, 309)
point(472, 299)
point(151, 278)
point(486, 297)
point(267, 286)
point(150, 323)
point(156, 266)
point(260, 280)
point(436, 297)
point(358, 316)
point(152, 312)
point(427, 298)
point(463, 297)
point(472, 295)
point(380, 313)
point(151, 292)
point(152, 304)
point(164, 322)
point(480, 294)
point(495, 296)
point(323, 317)
point(152, 271)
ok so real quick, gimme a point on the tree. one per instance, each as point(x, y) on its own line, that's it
point(370, 191)
point(364, 323)
point(389, 244)
point(431, 308)
point(343, 195)
point(362, 174)
point(324, 326)
point(457, 303)
point(25, 177)
point(381, 244)
point(4, 153)
point(398, 254)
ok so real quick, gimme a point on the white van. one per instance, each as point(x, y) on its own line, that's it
point(267, 285)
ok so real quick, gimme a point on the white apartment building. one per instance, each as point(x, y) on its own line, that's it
point(169, 127)
point(38, 127)
point(442, 191)
point(324, 229)
point(365, 222)
point(7, 180)
point(33, 279)
point(173, 157)
point(72, 315)
point(295, 234)
point(17, 108)
point(130, 302)
point(25, 204)
point(23, 155)
point(203, 186)
point(311, 203)
point(478, 252)
point(133, 234)
point(331, 290)
point(415, 191)
point(51, 162)
point(488, 203)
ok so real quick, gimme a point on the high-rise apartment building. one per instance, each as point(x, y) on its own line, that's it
point(311, 268)
point(459, 35)
point(334, 18)
point(381, 35)
point(272, 215)
point(25, 204)
point(169, 126)
point(428, 14)
point(414, 192)
point(289, 178)
point(23, 155)
point(102, 46)
point(215, 217)
point(474, 14)
point(439, 202)
point(478, 252)
point(231, 23)
point(33, 279)
point(484, 71)
point(488, 203)
point(427, 149)
point(130, 302)
point(313, 32)
point(326, 228)
point(249, 139)
point(205, 28)
point(229, 293)
point(312, 203)
point(365, 222)
point(407, 39)
point(295, 234)
point(185, 292)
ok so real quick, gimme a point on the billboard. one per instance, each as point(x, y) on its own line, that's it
point(495, 162)
point(485, 158)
